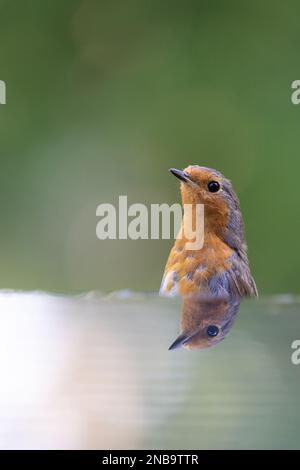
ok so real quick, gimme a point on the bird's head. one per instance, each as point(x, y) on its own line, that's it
point(202, 185)
point(204, 323)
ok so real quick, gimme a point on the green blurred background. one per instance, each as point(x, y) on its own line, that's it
point(103, 97)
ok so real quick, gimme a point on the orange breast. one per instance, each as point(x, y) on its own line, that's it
point(188, 271)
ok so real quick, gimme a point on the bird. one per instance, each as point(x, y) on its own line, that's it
point(205, 322)
point(220, 268)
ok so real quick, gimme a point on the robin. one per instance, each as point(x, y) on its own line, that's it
point(220, 268)
point(204, 323)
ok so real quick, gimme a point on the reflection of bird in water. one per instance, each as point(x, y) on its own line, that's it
point(212, 279)
point(206, 322)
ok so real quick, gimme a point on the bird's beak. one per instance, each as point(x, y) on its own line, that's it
point(180, 175)
point(181, 341)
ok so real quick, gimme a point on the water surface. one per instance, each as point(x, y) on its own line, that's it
point(94, 371)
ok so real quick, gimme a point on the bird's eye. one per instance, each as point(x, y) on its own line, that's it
point(213, 186)
point(212, 330)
